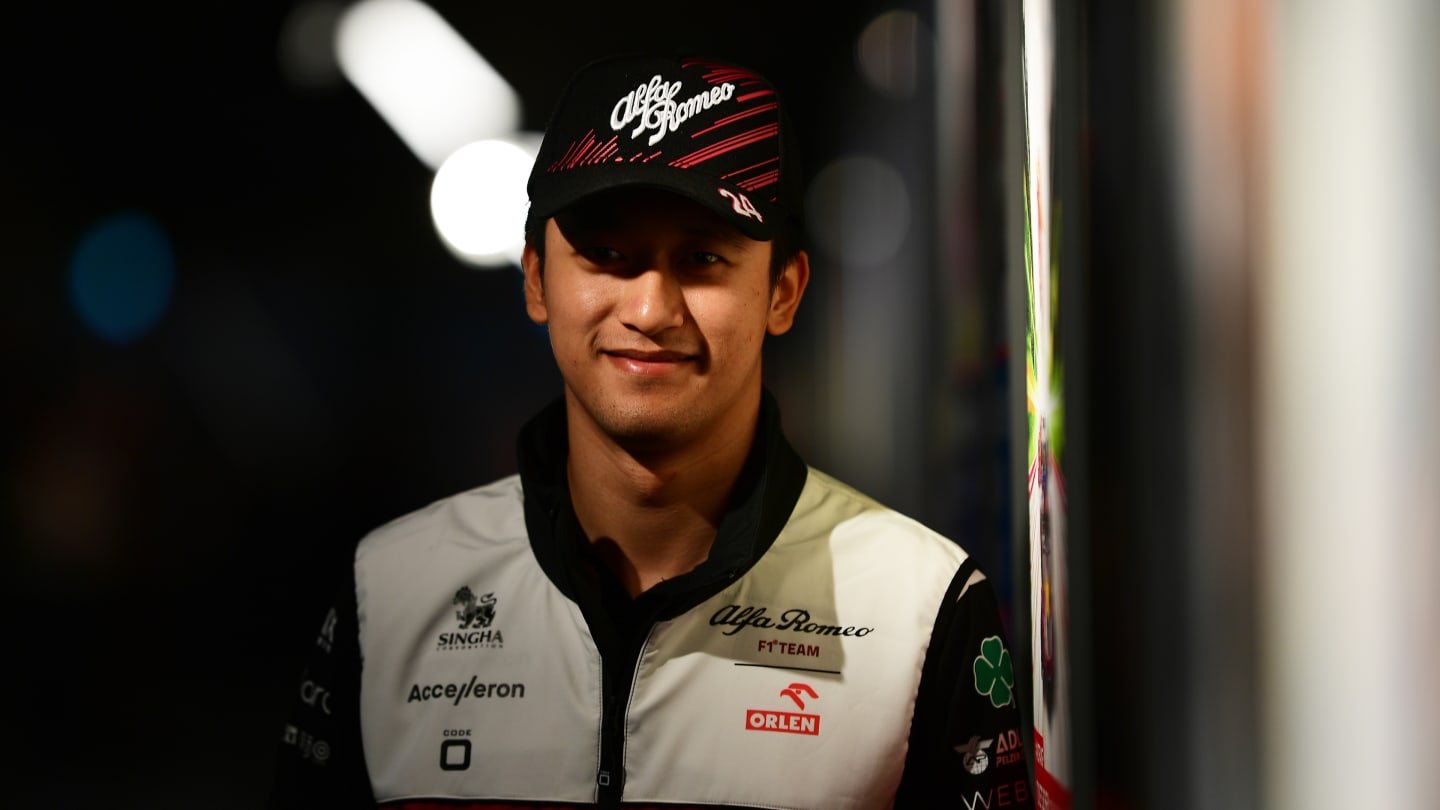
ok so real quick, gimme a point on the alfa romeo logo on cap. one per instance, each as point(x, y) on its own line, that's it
point(653, 104)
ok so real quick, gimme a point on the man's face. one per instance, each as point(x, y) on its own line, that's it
point(657, 310)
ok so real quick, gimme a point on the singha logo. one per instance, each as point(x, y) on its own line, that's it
point(474, 613)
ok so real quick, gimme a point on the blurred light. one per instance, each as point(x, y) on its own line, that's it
point(423, 78)
point(121, 276)
point(858, 208)
point(887, 53)
point(307, 44)
point(478, 201)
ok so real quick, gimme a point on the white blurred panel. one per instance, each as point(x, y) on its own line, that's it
point(1350, 383)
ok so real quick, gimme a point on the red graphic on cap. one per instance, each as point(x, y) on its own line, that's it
point(760, 180)
point(585, 152)
point(719, 73)
point(730, 119)
point(731, 143)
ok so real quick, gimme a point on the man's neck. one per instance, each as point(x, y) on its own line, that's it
point(652, 515)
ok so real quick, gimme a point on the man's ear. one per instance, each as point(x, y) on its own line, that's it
point(785, 297)
point(531, 263)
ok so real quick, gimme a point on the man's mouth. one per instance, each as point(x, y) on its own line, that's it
point(645, 363)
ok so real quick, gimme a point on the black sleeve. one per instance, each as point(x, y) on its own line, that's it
point(322, 761)
point(966, 745)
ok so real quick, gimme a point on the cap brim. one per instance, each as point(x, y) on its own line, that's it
point(724, 202)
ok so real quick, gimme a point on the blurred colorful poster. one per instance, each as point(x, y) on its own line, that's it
point(1044, 389)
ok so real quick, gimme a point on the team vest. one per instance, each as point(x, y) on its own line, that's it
point(792, 687)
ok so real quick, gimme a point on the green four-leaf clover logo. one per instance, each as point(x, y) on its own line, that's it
point(994, 675)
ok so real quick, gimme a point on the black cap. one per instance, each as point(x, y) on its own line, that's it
point(710, 131)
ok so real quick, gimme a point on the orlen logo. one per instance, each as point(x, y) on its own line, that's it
point(787, 722)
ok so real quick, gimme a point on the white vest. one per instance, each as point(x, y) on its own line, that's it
point(793, 687)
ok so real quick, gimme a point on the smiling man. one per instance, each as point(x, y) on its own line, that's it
point(666, 606)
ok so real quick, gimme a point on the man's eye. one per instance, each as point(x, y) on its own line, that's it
point(600, 255)
point(702, 257)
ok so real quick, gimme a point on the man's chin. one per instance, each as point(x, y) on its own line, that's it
point(644, 435)
point(641, 429)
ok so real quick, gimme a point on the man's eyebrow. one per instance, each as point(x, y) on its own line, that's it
point(728, 236)
point(585, 224)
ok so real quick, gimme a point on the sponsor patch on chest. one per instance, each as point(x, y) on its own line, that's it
point(735, 618)
point(787, 721)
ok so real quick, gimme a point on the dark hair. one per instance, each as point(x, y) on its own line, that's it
point(783, 248)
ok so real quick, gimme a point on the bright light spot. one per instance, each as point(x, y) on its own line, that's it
point(888, 53)
point(307, 44)
point(423, 78)
point(858, 208)
point(478, 201)
point(121, 276)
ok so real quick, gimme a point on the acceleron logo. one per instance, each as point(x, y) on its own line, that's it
point(787, 722)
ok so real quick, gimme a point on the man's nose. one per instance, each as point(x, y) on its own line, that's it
point(654, 301)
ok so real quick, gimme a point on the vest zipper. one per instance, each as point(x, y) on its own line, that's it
point(610, 781)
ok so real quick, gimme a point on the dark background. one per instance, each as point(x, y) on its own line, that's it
point(173, 507)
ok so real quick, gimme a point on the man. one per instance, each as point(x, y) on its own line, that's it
point(665, 606)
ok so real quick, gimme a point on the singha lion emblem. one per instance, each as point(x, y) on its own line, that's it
point(474, 613)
